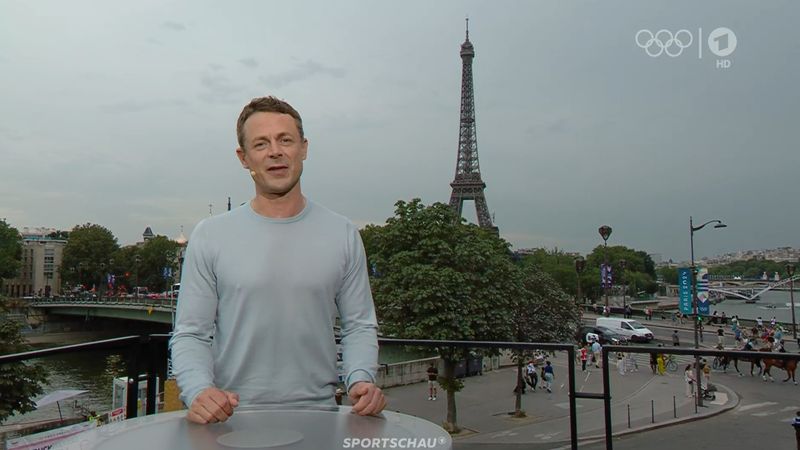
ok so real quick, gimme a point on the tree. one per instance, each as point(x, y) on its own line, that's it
point(543, 312)
point(434, 276)
point(19, 382)
point(155, 255)
point(88, 254)
point(10, 251)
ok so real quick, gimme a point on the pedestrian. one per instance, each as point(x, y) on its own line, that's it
point(596, 353)
point(661, 363)
point(796, 425)
point(533, 377)
point(688, 377)
point(759, 322)
point(706, 368)
point(654, 363)
point(433, 377)
point(720, 337)
point(264, 285)
point(584, 355)
point(680, 317)
point(620, 363)
point(676, 341)
point(628, 312)
point(548, 376)
point(772, 322)
point(735, 321)
point(724, 319)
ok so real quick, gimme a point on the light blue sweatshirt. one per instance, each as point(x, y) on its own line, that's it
point(258, 302)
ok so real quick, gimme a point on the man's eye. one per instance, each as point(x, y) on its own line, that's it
point(260, 144)
point(286, 140)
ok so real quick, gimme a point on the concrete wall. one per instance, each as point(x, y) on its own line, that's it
point(415, 371)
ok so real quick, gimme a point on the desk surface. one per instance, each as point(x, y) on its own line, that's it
point(278, 427)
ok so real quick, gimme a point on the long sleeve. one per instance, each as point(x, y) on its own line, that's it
point(357, 316)
point(192, 357)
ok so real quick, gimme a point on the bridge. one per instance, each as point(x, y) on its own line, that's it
point(741, 288)
point(161, 310)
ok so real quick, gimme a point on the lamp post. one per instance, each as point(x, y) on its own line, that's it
point(790, 271)
point(622, 263)
point(697, 337)
point(605, 233)
point(580, 265)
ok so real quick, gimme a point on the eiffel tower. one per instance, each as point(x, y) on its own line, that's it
point(468, 184)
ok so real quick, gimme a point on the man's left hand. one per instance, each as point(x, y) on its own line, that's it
point(367, 399)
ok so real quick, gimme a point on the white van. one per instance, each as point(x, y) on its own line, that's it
point(633, 330)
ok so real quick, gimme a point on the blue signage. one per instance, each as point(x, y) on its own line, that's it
point(703, 300)
point(685, 290)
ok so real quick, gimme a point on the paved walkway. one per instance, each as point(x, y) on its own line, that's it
point(485, 405)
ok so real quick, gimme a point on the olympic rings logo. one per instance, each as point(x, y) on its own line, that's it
point(663, 41)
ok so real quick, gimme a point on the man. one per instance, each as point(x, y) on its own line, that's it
point(720, 336)
point(597, 354)
point(263, 284)
point(676, 341)
point(433, 376)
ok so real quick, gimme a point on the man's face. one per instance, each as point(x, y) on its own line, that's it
point(275, 151)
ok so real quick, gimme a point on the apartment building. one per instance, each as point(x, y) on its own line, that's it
point(41, 260)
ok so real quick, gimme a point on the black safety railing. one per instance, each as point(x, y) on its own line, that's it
point(148, 354)
point(144, 354)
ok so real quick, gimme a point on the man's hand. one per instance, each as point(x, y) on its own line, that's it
point(212, 405)
point(366, 398)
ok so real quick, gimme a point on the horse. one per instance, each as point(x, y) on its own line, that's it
point(789, 365)
point(755, 361)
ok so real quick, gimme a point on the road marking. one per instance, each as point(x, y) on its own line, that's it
point(791, 408)
point(754, 406)
point(764, 414)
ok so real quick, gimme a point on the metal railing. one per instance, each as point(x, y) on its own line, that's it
point(148, 354)
point(160, 302)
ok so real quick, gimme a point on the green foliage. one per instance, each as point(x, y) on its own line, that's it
point(10, 251)
point(436, 277)
point(751, 268)
point(87, 255)
point(639, 274)
point(156, 254)
point(19, 382)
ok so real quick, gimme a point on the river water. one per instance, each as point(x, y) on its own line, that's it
point(772, 303)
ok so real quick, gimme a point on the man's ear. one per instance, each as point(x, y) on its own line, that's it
point(240, 155)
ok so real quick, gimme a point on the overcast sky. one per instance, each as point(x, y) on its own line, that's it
point(123, 114)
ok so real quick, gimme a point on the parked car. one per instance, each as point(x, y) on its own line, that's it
point(604, 334)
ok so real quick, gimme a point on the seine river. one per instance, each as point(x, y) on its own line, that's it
point(772, 303)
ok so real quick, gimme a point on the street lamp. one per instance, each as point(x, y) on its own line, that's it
point(699, 373)
point(790, 271)
point(605, 233)
point(580, 265)
point(622, 264)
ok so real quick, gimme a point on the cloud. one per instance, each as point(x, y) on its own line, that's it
point(174, 26)
point(300, 72)
point(249, 62)
point(219, 88)
point(134, 106)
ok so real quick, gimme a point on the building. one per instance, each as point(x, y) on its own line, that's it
point(41, 259)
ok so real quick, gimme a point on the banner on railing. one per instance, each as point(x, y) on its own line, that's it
point(685, 290)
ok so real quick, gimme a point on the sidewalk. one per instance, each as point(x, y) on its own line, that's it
point(485, 405)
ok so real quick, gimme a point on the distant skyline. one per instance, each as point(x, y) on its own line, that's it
point(124, 115)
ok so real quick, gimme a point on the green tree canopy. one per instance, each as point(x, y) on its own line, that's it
point(10, 251)
point(155, 255)
point(88, 254)
point(436, 277)
point(19, 382)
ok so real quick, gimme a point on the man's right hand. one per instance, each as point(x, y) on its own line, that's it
point(212, 405)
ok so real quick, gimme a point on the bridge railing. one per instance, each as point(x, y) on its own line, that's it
point(106, 301)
